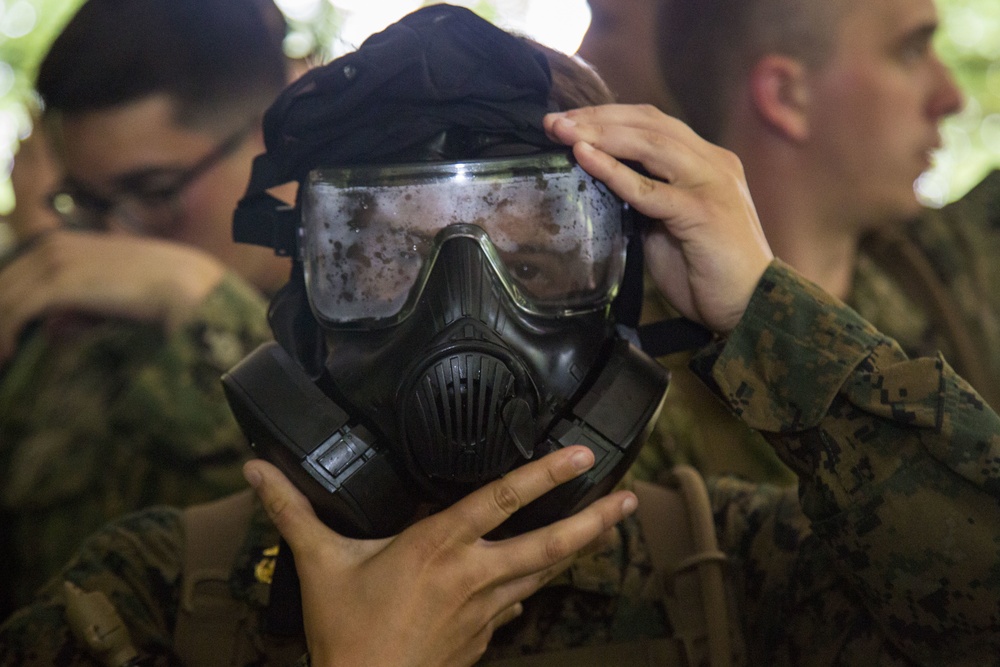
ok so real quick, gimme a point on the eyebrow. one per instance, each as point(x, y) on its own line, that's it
point(123, 183)
point(131, 179)
point(923, 32)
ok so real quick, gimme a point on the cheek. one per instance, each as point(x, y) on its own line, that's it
point(207, 214)
point(858, 117)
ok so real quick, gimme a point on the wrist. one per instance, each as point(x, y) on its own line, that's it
point(194, 279)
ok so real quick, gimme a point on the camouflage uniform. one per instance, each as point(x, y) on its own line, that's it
point(933, 285)
point(888, 558)
point(100, 418)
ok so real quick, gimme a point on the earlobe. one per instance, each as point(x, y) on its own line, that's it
point(778, 89)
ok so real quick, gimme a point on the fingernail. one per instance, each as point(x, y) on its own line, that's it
point(582, 460)
point(252, 475)
point(585, 147)
point(629, 504)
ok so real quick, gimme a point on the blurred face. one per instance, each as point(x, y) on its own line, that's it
point(621, 44)
point(138, 154)
point(875, 108)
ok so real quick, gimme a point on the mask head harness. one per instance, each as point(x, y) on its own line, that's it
point(449, 315)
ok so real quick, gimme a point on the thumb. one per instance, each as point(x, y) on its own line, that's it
point(287, 507)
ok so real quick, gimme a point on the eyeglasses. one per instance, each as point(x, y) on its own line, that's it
point(144, 203)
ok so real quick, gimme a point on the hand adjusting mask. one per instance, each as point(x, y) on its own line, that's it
point(447, 321)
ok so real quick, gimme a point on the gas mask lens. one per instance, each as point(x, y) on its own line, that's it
point(552, 234)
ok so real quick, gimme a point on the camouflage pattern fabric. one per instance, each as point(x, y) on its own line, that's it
point(102, 418)
point(888, 557)
point(959, 246)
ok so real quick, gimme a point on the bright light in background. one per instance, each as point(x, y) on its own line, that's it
point(559, 24)
point(18, 20)
point(364, 17)
point(299, 10)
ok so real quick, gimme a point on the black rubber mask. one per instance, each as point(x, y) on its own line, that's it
point(463, 328)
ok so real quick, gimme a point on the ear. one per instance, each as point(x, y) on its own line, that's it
point(780, 96)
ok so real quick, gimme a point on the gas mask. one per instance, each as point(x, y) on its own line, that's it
point(461, 324)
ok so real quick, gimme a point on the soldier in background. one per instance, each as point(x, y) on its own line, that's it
point(114, 333)
point(833, 129)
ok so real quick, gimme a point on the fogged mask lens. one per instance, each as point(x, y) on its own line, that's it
point(552, 233)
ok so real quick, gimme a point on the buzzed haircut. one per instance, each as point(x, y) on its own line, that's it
point(707, 48)
point(212, 57)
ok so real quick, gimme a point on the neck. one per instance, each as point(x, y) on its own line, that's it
point(827, 259)
point(806, 225)
point(817, 240)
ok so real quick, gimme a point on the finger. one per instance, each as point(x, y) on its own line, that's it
point(636, 116)
point(486, 508)
point(651, 197)
point(600, 151)
point(604, 541)
point(631, 132)
point(287, 507)
point(550, 546)
point(507, 615)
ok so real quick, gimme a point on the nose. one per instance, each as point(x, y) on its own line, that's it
point(948, 98)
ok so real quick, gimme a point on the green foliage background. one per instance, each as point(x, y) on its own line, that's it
point(969, 43)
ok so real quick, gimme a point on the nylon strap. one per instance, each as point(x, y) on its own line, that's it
point(210, 620)
point(679, 529)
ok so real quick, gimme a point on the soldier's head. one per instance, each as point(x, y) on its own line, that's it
point(155, 107)
point(852, 88)
point(455, 272)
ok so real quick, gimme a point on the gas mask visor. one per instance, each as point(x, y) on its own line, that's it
point(554, 235)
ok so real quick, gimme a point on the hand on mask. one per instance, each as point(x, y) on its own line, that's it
point(435, 593)
point(709, 251)
point(103, 274)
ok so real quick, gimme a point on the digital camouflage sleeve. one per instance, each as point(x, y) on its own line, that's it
point(102, 418)
point(932, 285)
point(889, 558)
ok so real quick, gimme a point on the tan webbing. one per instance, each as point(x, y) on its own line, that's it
point(677, 523)
point(209, 620)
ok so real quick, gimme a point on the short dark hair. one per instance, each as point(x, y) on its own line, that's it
point(708, 47)
point(211, 57)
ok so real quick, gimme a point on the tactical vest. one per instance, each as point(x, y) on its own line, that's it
point(216, 630)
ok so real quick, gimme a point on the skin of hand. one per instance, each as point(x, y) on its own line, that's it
point(435, 593)
point(708, 251)
point(103, 274)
